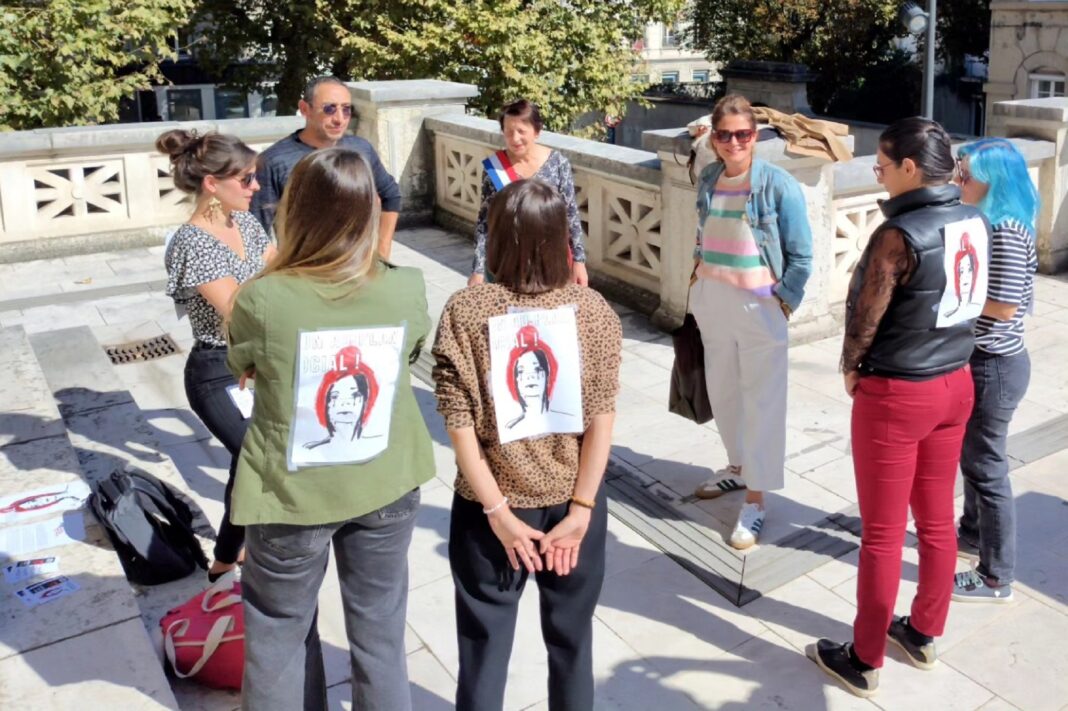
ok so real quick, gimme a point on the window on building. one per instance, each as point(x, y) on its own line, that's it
point(642, 79)
point(269, 106)
point(671, 36)
point(184, 105)
point(182, 44)
point(1045, 86)
point(230, 104)
point(669, 77)
point(700, 75)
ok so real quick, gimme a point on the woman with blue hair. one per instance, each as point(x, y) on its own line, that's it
point(992, 175)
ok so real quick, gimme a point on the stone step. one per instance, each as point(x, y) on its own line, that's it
point(49, 655)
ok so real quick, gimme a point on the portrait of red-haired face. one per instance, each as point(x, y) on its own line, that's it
point(967, 247)
point(965, 270)
point(536, 387)
point(346, 396)
point(532, 370)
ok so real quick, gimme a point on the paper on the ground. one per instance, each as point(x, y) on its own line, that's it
point(19, 541)
point(31, 568)
point(47, 590)
point(242, 399)
point(45, 500)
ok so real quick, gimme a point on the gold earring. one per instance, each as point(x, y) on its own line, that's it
point(214, 209)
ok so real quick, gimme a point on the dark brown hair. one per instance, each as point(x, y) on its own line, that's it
point(925, 142)
point(194, 157)
point(524, 111)
point(527, 247)
point(733, 105)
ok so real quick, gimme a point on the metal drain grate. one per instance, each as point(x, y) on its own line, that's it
point(148, 349)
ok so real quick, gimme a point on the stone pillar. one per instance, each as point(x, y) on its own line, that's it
point(780, 85)
point(1045, 119)
point(391, 117)
point(814, 319)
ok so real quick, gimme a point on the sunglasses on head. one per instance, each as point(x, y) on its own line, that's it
point(331, 109)
point(744, 136)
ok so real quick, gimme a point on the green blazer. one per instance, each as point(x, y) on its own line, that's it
point(268, 318)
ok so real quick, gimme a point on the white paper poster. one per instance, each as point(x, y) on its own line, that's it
point(346, 383)
point(18, 541)
point(243, 399)
point(44, 500)
point(967, 272)
point(29, 569)
point(47, 591)
point(536, 373)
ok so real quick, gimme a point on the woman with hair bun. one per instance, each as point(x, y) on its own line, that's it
point(908, 339)
point(219, 248)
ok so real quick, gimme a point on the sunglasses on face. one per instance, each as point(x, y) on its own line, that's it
point(744, 136)
point(246, 180)
point(963, 176)
point(331, 109)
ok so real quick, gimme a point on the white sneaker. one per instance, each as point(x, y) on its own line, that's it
point(723, 481)
point(747, 530)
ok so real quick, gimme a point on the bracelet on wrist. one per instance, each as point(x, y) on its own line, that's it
point(498, 507)
point(584, 503)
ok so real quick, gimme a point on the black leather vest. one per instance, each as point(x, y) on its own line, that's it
point(908, 343)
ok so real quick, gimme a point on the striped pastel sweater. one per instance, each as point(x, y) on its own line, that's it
point(728, 249)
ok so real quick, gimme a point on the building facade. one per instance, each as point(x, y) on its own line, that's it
point(1028, 50)
point(664, 61)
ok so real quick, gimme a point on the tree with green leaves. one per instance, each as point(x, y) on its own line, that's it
point(837, 39)
point(570, 57)
point(71, 62)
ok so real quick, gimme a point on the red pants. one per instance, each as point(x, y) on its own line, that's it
point(906, 446)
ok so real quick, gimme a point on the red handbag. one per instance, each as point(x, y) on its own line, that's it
point(204, 639)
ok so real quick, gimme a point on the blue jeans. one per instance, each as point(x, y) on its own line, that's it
point(989, 519)
point(284, 570)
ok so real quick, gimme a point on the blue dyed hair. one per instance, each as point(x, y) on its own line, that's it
point(998, 164)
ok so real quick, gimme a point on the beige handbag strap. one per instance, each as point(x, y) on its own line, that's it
point(211, 643)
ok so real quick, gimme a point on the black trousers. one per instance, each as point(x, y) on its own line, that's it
point(487, 602)
point(206, 380)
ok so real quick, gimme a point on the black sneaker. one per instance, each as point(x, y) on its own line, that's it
point(837, 660)
point(918, 648)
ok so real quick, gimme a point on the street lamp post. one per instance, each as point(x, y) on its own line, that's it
point(916, 21)
point(929, 63)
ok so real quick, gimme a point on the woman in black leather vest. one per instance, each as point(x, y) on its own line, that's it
point(909, 319)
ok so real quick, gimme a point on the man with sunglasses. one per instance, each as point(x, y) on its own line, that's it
point(327, 110)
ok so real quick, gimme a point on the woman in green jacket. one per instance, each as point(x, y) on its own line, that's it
point(336, 449)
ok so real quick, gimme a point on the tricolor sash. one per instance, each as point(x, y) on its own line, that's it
point(500, 170)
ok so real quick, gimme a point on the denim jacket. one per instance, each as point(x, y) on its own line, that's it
point(777, 216)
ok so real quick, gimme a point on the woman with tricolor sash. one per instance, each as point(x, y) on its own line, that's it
point(523, 157)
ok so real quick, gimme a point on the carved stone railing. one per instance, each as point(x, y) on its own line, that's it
point(637, 208)
point(101, 187)
point(79, 182)
point(856, 210)
point(617, 191)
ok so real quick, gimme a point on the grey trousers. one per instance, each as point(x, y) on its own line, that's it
point(989, 518)
point(284, 569)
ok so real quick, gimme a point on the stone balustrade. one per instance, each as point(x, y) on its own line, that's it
point(62, 187)
point(84, 189)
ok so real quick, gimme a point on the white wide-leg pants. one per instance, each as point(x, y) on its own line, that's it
point(745, 342)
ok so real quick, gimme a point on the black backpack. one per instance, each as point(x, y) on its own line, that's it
point(149, 525)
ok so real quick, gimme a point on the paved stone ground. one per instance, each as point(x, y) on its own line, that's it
point(663, 639)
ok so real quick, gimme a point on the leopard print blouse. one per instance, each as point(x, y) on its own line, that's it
point(532, 473)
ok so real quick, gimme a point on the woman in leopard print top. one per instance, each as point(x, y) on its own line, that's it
point(528, 505)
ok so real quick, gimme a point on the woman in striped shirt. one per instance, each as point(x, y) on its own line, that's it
point(992, 175)
point(752, 260)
